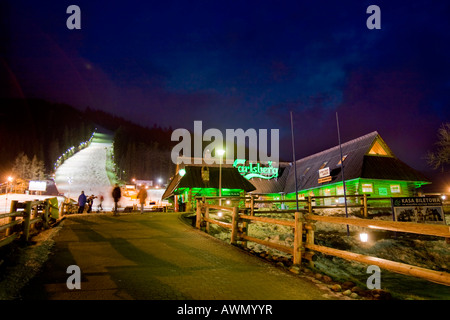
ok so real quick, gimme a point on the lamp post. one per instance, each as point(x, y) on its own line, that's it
point(69, 181)
point(10, 180)
point(220, 152)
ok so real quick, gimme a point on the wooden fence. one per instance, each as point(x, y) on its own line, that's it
point(304, 228)
point(360, 204)
point(23, 217)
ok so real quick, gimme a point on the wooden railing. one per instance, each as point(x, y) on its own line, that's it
point(304, 247)
point(364, 202)
point(23, 217)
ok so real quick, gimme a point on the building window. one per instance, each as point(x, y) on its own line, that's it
point(395, 188)
point(323, 165)
point(342, 160)
point(367, 187)
point(377, 149)
point(382, 191)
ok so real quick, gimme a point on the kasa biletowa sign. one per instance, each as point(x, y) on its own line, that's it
point(256, 170)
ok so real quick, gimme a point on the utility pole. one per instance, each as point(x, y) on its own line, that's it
point(343, 175)
point(293, 158)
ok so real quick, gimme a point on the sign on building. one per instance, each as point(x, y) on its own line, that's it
point(256, 170)
point(325, 172)
point(324, 175)
point(37, 186)
point(418, 209)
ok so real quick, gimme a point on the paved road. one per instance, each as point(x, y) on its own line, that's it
point(157, 256)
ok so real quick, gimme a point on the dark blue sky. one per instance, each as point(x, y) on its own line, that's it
point(242, 64)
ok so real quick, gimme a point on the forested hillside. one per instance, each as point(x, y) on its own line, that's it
point(40, 130)
point(45, 130)
point(139, 152)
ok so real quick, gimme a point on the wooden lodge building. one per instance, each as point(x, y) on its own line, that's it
point(370, 167)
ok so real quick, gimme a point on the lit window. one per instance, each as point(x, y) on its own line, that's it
point(377, 149)
point(342, 160)
point(323, 165)
point(367, 187)
point(395, 188)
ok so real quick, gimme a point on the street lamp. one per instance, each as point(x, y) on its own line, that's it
point(220, 152)
point(69, 181)
point(10, 180)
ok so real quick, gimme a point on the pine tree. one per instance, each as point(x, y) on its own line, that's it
point(441, 156)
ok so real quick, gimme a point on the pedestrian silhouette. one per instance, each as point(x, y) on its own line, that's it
point(81, 202)
point(142, 196)
point(116, 194)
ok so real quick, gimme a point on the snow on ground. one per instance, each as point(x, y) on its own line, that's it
point(86, 171)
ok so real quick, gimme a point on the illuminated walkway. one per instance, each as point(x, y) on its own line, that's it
point(157, 256)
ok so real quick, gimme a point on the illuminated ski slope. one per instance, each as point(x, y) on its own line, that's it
point(86, 171)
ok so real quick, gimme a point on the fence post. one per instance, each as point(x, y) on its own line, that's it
point(26, 221)
point(234, 225)
point(244, 231)
point(298, 238)
point(365, 206)
point(207, 217)
point(309, 199)
point(198, 220)
point(11, 219)
point(310, 238)
point(46, 214)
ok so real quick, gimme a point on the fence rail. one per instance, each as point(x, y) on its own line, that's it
point(23, 217)
point(364, 202)
point(304, 227)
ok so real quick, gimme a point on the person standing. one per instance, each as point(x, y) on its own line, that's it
point(116, 194)
point(100, 205)
point(81, 202)
point(142, 196)
point(90, 202)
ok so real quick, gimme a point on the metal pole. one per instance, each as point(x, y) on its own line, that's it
point(293, 157)
point(220, 181)
point(343, 175)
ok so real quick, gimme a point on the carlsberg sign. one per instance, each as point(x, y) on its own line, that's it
point(256, 170)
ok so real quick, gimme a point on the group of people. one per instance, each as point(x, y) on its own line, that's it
point(116, 195)
point(84, 201)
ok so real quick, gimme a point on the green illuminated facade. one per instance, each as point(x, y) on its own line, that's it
point(370, 168)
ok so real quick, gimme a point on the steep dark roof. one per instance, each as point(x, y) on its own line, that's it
point(357, 164)
point(389, 168)
point(276, 185)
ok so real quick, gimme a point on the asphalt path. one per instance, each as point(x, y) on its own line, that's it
point(157, 256)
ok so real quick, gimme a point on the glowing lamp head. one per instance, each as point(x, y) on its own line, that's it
point(364, 237)
point(220, 152)
point(182, 172)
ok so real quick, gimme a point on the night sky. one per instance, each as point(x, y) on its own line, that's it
point(242, 64)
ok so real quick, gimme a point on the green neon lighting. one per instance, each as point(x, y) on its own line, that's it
point(256, 170)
